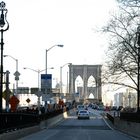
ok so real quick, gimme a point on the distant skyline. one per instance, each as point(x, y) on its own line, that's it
point(38, 25)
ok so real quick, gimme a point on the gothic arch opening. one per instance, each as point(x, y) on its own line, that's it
point(91, 96)
point(91, 87)
point(78, 86)
point(91, 82)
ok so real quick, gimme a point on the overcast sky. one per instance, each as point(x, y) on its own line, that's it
point(37, 25)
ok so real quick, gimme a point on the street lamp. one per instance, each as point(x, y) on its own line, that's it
point(61, 83)
point(4, 26)
point(39, 89)
point(58, 45)
point(16, 74)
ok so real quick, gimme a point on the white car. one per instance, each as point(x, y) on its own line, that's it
point(83, 114)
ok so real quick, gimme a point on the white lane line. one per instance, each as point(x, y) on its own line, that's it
point(96, 113)
point(107, 123)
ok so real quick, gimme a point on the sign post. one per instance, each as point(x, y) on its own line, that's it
point(16, 74)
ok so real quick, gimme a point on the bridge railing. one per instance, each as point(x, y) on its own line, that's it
point(17, 120)
point(130, 116)
point(11, 121)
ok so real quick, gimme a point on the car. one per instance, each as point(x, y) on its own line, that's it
point(83, 114)
point(101, 107)
point(80, 107)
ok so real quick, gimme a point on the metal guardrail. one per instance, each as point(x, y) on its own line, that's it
point(126, 116)
point(110, 117)
point(13, 121)
point(132, 117)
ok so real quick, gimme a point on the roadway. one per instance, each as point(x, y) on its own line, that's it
point(96, 128)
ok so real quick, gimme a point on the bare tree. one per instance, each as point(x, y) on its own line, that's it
point(123, 50)
point(130, 3)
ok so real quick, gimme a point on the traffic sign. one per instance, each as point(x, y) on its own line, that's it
point(46, 83)
point(28, 100)
point(14, 101)
point(16, 78)
point(17, 74)
point(39, 93)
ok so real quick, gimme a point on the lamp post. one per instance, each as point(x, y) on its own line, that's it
point(138, 68)
point(3, 28)
point(58, 45)
point(17, 74)
point(39, 89)
point(61, 83)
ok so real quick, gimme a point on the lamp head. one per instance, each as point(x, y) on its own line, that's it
point(2, 5)
point(52, 68)
point(2, 16)
point(60, 45)
point(5, 55)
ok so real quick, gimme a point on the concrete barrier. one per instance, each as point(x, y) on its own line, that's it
point(128, 127)
point(15, 135)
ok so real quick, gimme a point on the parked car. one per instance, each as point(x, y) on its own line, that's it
point(83, 114)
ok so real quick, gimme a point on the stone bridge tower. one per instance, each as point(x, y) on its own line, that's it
point(85, 71)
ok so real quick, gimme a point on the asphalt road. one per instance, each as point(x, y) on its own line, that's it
point(96, 128)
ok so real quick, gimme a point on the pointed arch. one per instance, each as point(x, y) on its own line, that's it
point(91, 82)
point(91, 96)
point(78, 84)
